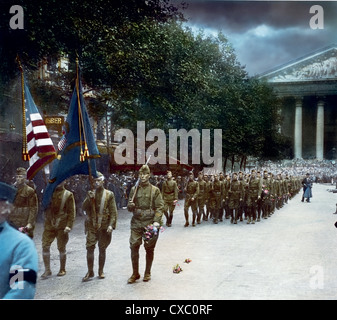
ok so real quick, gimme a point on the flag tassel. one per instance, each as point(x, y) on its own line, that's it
point(25, 154)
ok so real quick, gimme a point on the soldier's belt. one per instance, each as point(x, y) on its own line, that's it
point(170, 192)
point(143, 212)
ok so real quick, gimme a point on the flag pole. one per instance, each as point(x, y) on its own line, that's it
point(25, 154)
point(83, 155)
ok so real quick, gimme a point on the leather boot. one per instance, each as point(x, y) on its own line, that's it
point(46, 261)
point(101, 262)
point(170, 219)
point(193, 220)
point(236, 216)
point(186, 218)
point(149, 260)
point(63, 259)
point(90, 262)
point(135, 265)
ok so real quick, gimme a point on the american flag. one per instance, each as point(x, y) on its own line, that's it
point(40, 147)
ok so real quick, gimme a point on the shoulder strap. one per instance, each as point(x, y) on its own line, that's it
point(102, 205)
point(65, 196)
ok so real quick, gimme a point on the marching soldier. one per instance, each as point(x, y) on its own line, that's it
point(25, 204)
point(215, 198)
point(243, 204)
point(170, 197)
point(192, 191)
point(225, 188)
point(59, 220)
point(254, 194)
point(222, 207)
point(101, 210)
point(146, 204)
point(201, 197)
point(235, 196)
point(207, 192)
point(265, 195)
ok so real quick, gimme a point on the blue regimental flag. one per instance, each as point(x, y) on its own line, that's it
point(79, 149)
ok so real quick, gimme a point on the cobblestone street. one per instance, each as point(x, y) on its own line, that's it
point(291, 255)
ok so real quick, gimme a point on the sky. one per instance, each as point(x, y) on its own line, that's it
point(266, 34)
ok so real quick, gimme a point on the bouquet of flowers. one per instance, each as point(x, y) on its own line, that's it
point(265, 191)
point(177, 269)
point(23, 230)
point(151, 231)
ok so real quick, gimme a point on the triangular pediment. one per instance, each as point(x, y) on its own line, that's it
point(320, 65)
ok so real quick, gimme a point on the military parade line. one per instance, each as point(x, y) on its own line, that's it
point(240, 196)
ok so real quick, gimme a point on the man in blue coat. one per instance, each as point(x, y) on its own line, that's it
point(18, 258)
point(307, 186)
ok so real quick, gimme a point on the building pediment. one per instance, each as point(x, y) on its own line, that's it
point(320, 65)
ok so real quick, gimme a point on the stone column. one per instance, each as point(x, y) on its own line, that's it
point(298, 129)
point(320, 130)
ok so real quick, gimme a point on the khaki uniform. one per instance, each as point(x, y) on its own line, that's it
point(192, 191)
point(59, 215)
point(149, 208)
point(201, 199)
point(169, 194)
point(235, 196)
point(265, 197)
point(207, 199)
point(254, 192)
point(215, 199)
point(101, 213)
point(25, 209)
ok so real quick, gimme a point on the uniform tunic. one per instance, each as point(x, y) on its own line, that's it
point(25, 208)
point(235, 194)
point(60, 214)
point(101, 215)
point(149, 209)
point(192, 191)
point(169, 194)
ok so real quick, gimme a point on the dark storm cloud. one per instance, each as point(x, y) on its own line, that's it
point(265, 33)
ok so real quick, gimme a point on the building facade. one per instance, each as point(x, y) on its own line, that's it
point(307, 88)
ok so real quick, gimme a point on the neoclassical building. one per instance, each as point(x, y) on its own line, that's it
point(308, 90)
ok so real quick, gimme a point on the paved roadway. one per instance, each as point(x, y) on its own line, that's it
point(291, 255)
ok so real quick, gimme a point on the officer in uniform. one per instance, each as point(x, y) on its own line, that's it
point(192, 191)
point(18, 257)
point(215, 198)
point(235, 196)
point(201, 197)
point(147, 205)
point(265, 195)
point(101, 210)
point(170, 197)
point(242, 206)
point(59, 220)
point(25, 205)
point(254, 194)
point(207, 192)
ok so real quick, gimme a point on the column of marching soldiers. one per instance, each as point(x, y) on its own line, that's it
point(237, 196)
